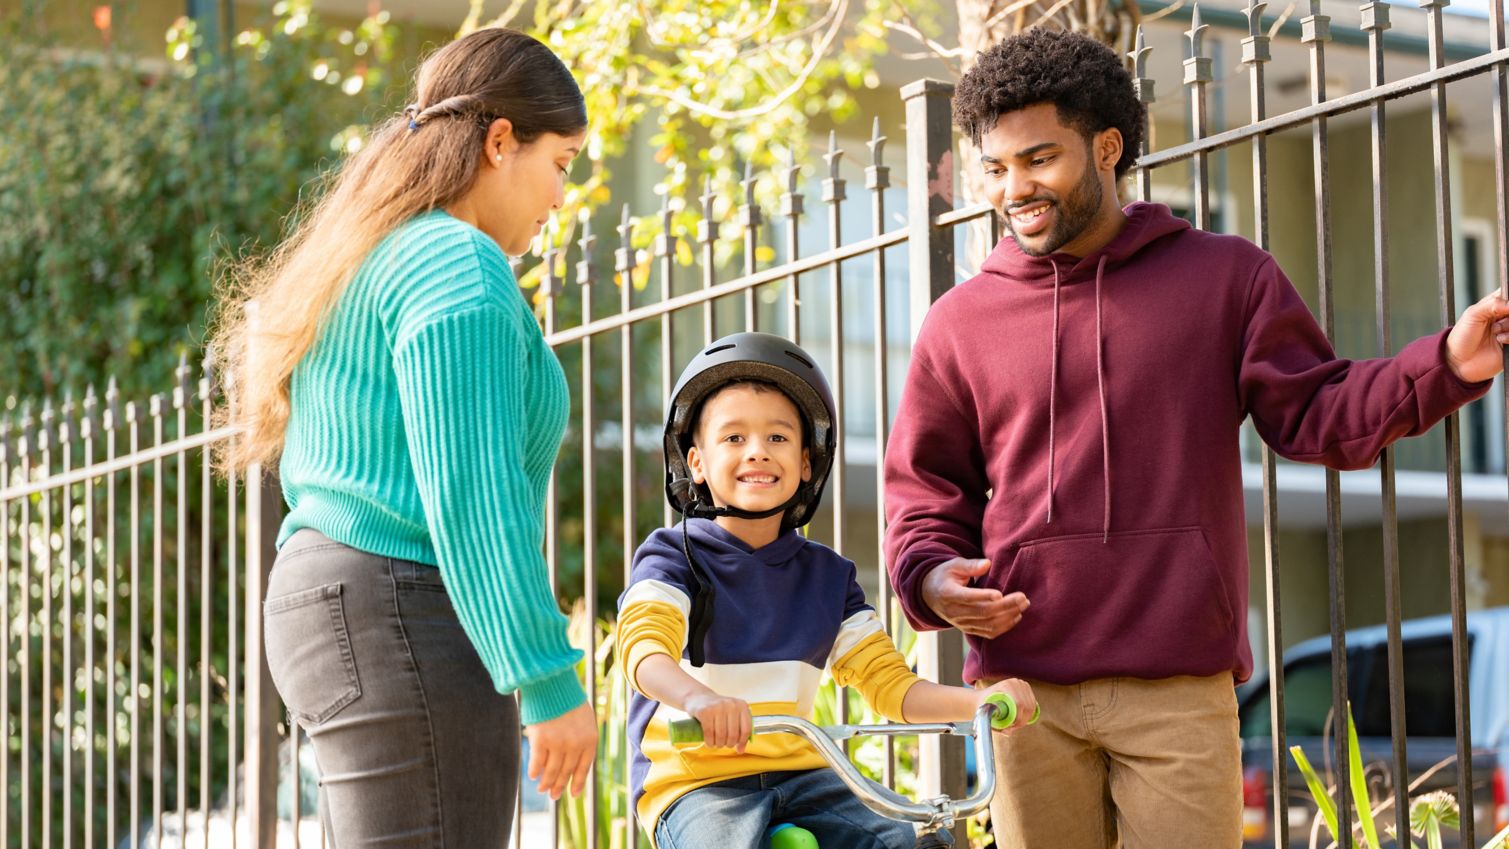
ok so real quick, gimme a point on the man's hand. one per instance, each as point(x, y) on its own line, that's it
point(975, 611)
point(726, 721)
point(562, 750)
point(1474, 347)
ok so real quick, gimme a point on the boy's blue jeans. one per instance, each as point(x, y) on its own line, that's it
point(735, 814)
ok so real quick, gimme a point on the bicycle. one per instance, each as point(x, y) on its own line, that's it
point(933, 816)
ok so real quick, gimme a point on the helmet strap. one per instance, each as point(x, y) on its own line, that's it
point(700, 618)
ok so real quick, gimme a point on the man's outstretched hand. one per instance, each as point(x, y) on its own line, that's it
point(1475, 345)
point(976, 611)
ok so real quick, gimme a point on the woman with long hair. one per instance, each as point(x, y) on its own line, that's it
point(385, 358)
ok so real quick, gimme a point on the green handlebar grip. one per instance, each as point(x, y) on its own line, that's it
point(1005, 717)
point(685, 732)
point(788, 836)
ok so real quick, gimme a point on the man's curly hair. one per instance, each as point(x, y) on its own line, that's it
point(1082, 77)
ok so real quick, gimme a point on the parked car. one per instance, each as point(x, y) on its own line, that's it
point(1430, 721)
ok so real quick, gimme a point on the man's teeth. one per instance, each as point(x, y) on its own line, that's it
point(1030, 215)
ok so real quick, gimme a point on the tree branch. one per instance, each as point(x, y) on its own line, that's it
point(936, 49)
point(711, 111)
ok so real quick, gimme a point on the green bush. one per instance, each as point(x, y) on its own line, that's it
point(124, 180)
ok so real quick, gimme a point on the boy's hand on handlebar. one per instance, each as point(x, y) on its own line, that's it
point(1021, 693)
point(726, 721)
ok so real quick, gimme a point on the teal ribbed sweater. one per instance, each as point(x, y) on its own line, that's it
point(425, 421)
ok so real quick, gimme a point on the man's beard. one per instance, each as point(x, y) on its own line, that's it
point(1071, 217)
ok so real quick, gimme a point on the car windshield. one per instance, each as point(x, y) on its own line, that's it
point(1429, 705)
point(1307, 701)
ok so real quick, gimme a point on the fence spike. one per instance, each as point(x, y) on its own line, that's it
point(65, 429)
point(87, 411)
point(206, 378)
point(25, 434)
point(181, 389)
point(665, 243)
point(876, 144)
point(155, 404)
point(791, 199)
point(1254, 13)
point(750, 214)
point(44, 426)
point(1197, 68)
point(586, 268)
point(1141, 82)
point(112, 405)
point(834, 155)
point(877, 175)
point(1255, 45)
point(833, 187)
point(707, 229)
point(553, 231)
point(625, 253)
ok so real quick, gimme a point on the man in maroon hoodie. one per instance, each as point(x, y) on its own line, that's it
point(1068, 435)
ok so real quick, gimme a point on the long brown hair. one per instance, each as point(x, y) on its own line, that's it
point(272, 306)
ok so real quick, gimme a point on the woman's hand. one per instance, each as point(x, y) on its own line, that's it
point(726, 721)
point(562, 750)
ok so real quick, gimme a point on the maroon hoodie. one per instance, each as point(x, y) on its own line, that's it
point(1076, 421)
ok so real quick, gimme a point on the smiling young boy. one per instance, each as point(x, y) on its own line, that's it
point(733, 613)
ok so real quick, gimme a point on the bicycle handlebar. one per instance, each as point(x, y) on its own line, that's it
point(999, 710)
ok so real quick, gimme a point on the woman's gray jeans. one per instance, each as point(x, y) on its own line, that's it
point(415, 747)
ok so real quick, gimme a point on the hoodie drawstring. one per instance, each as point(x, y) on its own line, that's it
point(1105, 419)
point(1100, 383)
point(1052, 389)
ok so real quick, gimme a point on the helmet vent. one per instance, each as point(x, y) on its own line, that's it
point(710, 351)
point(801, 359)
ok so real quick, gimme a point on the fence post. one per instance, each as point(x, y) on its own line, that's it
point(264, 502)
point(930, 173)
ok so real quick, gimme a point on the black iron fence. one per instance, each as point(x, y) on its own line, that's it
point(137, 707)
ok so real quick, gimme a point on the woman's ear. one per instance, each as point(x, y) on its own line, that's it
point(694, 465)
point(501, 141)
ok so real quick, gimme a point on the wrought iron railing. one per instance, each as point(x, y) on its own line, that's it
point(133, 577)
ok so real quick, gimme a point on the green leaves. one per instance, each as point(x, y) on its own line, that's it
point(726, 83)
point(125, 180)
point(1318, 791)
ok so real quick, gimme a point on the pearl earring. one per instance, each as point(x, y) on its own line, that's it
point(498, 158)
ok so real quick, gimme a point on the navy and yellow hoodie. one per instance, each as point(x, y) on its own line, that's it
point(782, 615)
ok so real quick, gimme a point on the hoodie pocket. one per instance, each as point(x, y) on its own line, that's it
point(1147, 604)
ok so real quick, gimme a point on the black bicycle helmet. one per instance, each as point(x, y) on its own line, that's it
point(766, 358)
